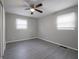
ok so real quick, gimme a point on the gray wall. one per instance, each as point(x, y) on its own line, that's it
point(49, 32)
point(12, 34)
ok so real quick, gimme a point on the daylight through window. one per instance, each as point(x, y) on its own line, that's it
point(66, 21)
point(21, 24)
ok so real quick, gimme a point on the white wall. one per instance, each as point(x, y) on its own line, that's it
point(12, 34)
point(49, 32)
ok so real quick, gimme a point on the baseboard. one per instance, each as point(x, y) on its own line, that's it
point(19, 40)
point(59, 44)
point(45, 40)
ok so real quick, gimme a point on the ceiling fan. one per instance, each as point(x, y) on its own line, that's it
point(34, 8)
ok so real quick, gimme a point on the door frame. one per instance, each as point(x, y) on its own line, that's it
point(2, 53)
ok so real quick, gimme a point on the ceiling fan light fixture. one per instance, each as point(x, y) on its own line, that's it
point(32, 10)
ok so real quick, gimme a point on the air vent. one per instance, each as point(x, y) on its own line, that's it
point(64, 47)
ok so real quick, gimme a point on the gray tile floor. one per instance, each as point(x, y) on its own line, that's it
point(37, 49)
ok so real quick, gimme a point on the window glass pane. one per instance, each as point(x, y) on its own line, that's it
point(66, 21)
point(21, 24)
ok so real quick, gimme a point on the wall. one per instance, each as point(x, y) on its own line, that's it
point(49, 32)
point(12, 34)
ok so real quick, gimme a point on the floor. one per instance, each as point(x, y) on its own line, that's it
point(37, 49)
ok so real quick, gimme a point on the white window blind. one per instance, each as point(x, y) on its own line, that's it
point(21, 24)
point(66, 21)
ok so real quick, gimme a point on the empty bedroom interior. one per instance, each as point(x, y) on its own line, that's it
point(41, 29)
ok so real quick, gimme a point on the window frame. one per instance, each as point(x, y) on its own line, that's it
point(72, 14)
point(20, 24)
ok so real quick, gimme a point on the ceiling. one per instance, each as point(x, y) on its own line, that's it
point(49, 6)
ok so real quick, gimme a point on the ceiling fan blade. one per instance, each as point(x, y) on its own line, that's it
point(39, 5)
point(17, 6)
point(32, 5)
point(29, 2)
point(27, 8)
point(31, 13)
point(39, 10)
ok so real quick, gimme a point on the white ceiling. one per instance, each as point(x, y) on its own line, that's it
point(49, 6)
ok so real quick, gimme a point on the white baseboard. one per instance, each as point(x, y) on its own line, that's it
point(20, 40)
point(44, 40)
point(59, 44)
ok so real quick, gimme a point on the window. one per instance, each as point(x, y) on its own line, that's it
point(21, 24)
point(66, 21)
